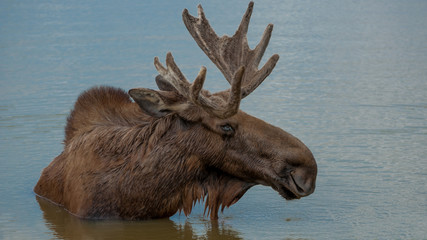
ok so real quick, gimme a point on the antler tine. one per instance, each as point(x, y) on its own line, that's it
point(197, 85)
point(260, 75)
point(262, 45)
point(205, 36)
point(228, 54)
point(202, 32)
point(244, 23)
point(235, 95)
point(173, 74)
point(218, 108)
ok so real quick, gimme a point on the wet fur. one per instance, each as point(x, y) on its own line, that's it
point(119, 163)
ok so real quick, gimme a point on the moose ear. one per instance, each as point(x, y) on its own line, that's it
point(155, 103)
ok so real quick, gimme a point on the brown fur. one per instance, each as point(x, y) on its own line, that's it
point(121, 163)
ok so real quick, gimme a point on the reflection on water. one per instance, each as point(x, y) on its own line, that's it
point(66, 226)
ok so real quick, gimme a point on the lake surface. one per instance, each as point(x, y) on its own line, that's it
point(351, 83)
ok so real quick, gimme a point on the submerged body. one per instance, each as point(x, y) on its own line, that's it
point(121, 163)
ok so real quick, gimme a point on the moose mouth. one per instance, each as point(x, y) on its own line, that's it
point(285, 190)
point(286, 193)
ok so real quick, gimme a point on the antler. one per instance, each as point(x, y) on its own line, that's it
point(237, 62)
point(214, 105)
point(229, 54)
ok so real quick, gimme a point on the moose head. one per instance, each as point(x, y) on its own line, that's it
point(228, 139)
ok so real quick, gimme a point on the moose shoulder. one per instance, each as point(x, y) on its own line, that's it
point(168, 148)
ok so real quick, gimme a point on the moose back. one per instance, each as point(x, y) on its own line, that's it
point(167, 149)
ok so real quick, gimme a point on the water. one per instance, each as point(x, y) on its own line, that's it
point(351, 83)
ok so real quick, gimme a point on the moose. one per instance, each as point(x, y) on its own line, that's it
point(167, 149)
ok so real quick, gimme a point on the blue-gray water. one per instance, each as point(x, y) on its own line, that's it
point(351, 83)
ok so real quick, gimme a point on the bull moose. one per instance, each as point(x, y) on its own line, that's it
point(169, 148)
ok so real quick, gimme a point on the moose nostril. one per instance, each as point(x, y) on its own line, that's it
point(303, 183)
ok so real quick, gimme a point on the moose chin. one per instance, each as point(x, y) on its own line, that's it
point(148, 153)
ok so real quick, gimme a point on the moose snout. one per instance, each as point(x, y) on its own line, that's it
point(304, 180)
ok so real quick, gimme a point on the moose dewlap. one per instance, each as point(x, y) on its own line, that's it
point(169, 148)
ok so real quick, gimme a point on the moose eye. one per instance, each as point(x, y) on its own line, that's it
point(227, 128)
